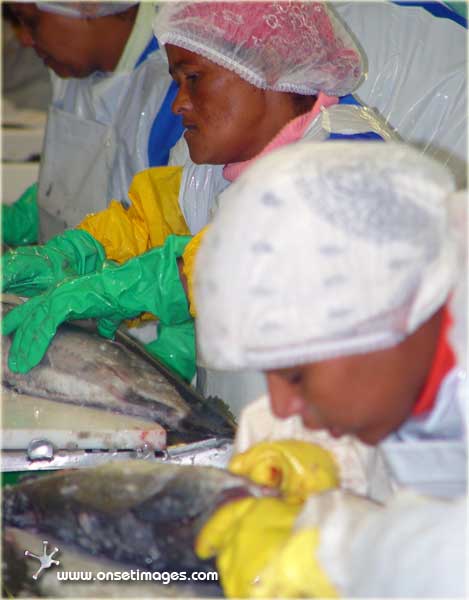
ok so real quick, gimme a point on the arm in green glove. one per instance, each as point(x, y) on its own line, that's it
point(30, 270)
point(20, 220)
point(175, 348)
point(147, 283)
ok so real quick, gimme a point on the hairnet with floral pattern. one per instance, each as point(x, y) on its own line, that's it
point(298, 47)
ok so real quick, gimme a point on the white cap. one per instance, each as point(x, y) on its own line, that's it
point(322, 250)
point(82, 10)
point(296, 47)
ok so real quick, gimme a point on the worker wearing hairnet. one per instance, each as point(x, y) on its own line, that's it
point(110, 115)
point(252, 77)
point(347, 287)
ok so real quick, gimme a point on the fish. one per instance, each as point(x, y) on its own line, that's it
point(85, 369)
point(140, 514)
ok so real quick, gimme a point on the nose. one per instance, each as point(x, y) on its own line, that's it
point(285, 399)
point(182, 102)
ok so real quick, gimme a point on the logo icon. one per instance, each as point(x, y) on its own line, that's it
point(45, 559)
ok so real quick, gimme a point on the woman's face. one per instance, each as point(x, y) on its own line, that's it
point(356, 395)
point(64, 44)
point(366, 395)
point(227, 119)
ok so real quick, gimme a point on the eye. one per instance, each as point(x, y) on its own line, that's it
point(293, 376)
point(30, 25)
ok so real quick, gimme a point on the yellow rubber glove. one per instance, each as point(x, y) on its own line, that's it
point(296, 468)
point(188, 259)
point(294, 571)
point(245, 535)
point(154, 214)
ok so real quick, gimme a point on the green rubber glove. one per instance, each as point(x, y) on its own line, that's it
point(20, 220)
point(147, 283)
point(30, 270)
point(175, 348)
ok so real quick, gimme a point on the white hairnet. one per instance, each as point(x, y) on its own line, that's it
point(284, 46)
point(81, 10)
point(323, 250)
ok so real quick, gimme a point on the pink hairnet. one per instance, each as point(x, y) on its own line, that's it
point(82, 10)
point(284, 46)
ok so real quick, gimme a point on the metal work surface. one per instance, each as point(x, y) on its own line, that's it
point(41, 456)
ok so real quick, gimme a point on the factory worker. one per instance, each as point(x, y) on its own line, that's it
point(110, 114)
point(25, 79)
point(347, 287)
point(251, 77)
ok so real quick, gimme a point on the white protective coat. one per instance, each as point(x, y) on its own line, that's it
point(413, 547)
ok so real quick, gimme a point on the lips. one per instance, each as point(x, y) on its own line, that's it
point(190, 131)
point(189, 126)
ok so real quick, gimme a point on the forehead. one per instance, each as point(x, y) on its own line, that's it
point(336, 366)
point(180, 57)
point(289, 372)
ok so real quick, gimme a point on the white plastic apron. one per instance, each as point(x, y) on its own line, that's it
point(417, 76)
point(428, 453)
point(67, 194)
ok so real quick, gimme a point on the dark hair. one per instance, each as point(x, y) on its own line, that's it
point(9, 15)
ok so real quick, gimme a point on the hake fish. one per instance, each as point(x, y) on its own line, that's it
point(144, 515)
point(83, 368)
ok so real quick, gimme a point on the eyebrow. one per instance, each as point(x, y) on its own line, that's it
point(178, 66)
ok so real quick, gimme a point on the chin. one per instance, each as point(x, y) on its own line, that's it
point(370, 439)
point(196, 160)
point(65, 72)
point(62, 72)
point(197, 156)
point(204, 160)
point(200, 156)
point(312, 425)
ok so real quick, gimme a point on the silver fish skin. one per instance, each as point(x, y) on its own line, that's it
point(85, 369)
point(138, 513)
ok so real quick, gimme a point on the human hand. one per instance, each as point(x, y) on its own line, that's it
point(30, 270)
